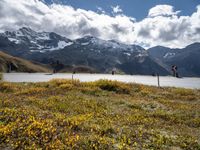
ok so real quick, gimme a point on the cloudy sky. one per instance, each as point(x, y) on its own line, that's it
point(171, 23)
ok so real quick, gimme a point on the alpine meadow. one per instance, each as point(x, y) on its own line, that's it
point(99, 75)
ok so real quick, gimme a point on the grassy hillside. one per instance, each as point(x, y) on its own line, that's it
point(19, 65)
point(62, 114)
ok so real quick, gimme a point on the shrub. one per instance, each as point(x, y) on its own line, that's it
point(64, 83)
point(6, 87)
point(114, 86)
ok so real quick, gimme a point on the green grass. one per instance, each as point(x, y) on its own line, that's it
point(64, 114)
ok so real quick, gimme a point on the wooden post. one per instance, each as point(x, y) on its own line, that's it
point(158, 77)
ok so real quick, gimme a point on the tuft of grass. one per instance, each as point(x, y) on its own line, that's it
point(66, 114)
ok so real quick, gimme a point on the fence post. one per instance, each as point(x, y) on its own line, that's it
point(158, 77)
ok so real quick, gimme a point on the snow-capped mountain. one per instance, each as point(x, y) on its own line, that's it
point(112, 45)
point(97, 45)
point(100, 54)
point(37, 41)
point(50, 41)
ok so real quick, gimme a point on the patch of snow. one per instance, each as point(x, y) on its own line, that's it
point(33, 42)
point(141, 55)
point(119, 62)
point(110, 44)
point(37, 47)
point(86, 43)
point(33, 50)
point(42, 51)
point(62, 44)
point(16, 41)
point(128, 54)
point(168, 55)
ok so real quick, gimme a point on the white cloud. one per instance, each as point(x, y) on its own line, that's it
point(168, 29)
point(116, 9)
point(160, 27)
point(162, 10)
point(101, 10)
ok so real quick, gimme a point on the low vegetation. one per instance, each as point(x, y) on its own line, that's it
point(65, 114)
point(1, 76)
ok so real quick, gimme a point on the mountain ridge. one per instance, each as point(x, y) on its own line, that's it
point(89, 51)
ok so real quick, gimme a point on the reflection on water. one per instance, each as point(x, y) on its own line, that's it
point(147, 80)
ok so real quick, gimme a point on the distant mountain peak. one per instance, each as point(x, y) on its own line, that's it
point(26, 29)
point(88, 37)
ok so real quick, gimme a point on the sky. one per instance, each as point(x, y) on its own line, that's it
point(148, 23)
point(135, 8)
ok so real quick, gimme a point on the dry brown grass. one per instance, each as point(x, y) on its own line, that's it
point(21, 64)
